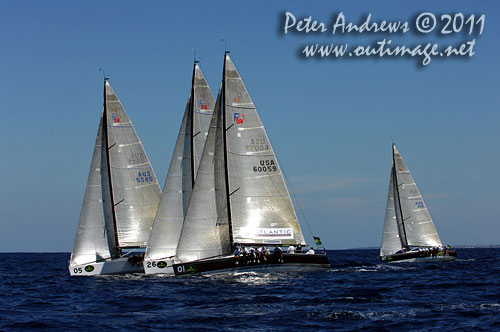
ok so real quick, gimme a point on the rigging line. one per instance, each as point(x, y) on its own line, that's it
point(129, 252)
point(295, 197)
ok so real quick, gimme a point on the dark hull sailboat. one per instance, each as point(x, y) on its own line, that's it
point(409, 232)
point(239, 197)
point(415, 256)
point(288, 263)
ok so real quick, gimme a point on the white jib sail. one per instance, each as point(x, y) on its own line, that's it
point(391, 241)
point(179, 182)
point(204, 234)
point(94, 240)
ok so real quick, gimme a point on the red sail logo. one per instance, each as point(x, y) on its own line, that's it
point(203, 104)
point(116, 117)
point(239, 118)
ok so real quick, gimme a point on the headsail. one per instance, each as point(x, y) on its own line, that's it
point(95, 238)
point(261, 210)
point(183, 169)
point(136, 192)
point(391, 241)
point(420, 230)
point(204, 234)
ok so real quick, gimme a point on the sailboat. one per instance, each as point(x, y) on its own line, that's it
point(239, 198)
point(409, 232)
point(121, 198)
point(181, 176)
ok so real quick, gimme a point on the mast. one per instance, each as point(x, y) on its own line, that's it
point(404, 241)
point(223, 102)
point(105, 125)
point(191, 123)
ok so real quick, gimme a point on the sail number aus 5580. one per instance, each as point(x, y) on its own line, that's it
point(266, 166)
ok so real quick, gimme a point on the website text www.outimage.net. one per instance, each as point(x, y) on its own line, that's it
point(471, 26)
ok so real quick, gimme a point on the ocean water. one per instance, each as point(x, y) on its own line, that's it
point(358, 293)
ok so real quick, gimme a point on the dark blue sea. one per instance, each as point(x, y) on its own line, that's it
point(358, 293)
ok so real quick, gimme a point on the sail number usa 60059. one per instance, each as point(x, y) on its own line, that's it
point(268, 165)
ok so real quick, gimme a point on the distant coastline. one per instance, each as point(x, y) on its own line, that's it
point(463, 246)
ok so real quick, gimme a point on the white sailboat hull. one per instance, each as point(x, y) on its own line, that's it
point(161, 266)
point(115, 266)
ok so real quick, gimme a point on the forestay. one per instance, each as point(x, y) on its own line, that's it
point(183, 169)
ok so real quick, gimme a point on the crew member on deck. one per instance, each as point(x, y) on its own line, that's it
point(291, 249)
point(311, 251)
point(278, 253)
point(237, 255)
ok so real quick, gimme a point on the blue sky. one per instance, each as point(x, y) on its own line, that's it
point(330, 120)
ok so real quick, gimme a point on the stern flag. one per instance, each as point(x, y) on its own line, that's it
point(317, 240)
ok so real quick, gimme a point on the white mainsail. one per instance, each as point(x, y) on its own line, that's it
point(261, 210)
point(240, 195)
point(122, 192)
point(420, 230)
point(183, 169)
point(407, 220)
point(136, 192)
